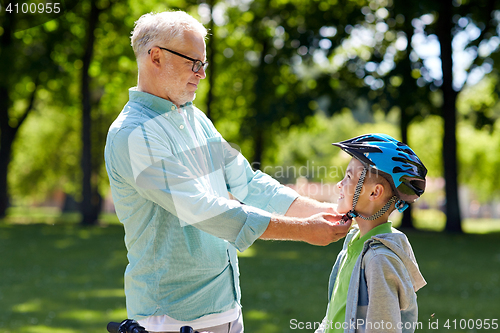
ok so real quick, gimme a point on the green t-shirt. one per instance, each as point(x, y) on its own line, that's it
point(336, 309)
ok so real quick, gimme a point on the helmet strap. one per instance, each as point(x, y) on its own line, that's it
point(381, 212)
point(357, 192)
point(359, 186)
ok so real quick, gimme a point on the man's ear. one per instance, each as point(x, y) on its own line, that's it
point(155, 56)
point(377, 192)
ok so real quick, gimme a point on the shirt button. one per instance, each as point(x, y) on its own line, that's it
point(173, 107)
point(181, 127)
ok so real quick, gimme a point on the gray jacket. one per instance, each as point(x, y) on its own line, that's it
point(382, 290)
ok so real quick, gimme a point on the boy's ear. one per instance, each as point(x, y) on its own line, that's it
point(377, 192)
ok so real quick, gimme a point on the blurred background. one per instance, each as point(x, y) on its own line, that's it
point(286, 79)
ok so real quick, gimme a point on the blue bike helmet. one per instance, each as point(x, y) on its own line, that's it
point(394, 160)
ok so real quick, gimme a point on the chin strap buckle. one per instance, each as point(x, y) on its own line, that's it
point(401, 205)
point(349, 216)
point(352, 214)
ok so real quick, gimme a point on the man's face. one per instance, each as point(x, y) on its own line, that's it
point(180, 82)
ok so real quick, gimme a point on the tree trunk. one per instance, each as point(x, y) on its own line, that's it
point(407, 112)
point(407, 220)
point(258, 149)
point(90, 206)
point(5, 157)
point(7, 135)
point(6, 132)
point(211, 61)
point(444, 33)
point(261, 109)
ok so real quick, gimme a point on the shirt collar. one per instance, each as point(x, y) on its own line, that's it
point(384, 228)
point(155, 103)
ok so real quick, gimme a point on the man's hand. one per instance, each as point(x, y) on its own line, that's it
point(324, 228)
point(320, 229)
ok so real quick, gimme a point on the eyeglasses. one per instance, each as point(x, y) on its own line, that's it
point(197, 64)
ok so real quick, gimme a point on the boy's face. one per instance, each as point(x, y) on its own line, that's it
point(347, 186)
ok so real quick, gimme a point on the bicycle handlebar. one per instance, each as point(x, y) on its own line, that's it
point(126, 326)
point(113, 327)
point(131, 326)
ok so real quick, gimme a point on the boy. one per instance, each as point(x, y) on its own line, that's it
point(374, 279)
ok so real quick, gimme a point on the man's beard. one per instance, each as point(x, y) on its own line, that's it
point(186, 97)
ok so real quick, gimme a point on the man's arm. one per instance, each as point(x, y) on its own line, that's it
point(308, 220)
point(305, 207)
point(320, 229)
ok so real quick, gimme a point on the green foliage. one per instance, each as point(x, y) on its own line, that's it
point(479, 105)
point(306, 151)
point(270, 81)
point(425, 138)
point(310, 144)
point(480, 161)
point(281, 70)
point(47, 151)
point(47, 155)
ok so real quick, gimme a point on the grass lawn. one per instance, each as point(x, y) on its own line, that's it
point(60, 278)
point(63, 278)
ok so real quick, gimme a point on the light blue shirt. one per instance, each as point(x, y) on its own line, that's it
point(170, 191)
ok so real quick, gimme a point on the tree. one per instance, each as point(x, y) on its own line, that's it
point(449, 114)
point(27, 67)
point(447, 20)
point(91, 200)
point(211, 49)
point(107, 71)
point(91, 58)
point(450, 19)
point(277, 63)
point(268, 50)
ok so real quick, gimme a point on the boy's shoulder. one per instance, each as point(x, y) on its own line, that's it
point(394, 249)
point(393, 245)
point(393, 239)
point(378, 252)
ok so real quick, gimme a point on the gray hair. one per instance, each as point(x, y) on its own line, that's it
point(160, 28)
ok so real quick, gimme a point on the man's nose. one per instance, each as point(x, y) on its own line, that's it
point(201, 73)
